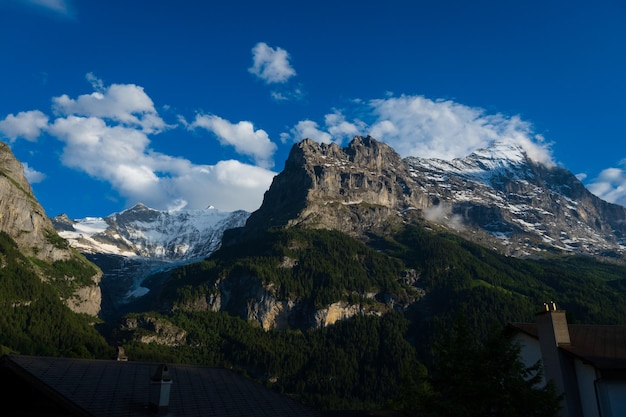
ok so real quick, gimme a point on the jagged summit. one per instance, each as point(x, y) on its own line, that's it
point(355, 189)
point(496, 196)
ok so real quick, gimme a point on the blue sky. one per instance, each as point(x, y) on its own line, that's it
point(196, 103)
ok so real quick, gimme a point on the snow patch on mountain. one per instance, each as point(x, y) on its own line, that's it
point(525, 206)
point(143, 232)
point(134, 244)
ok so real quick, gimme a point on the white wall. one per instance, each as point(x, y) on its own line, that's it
point(586, 378)
point(530, 351)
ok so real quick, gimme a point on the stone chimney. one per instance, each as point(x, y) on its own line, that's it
point(160, 385)
point(553, 331)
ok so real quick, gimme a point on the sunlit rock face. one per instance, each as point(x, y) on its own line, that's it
point(498, 197)
point(24, 219)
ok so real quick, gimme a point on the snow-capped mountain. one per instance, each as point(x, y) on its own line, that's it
point(498, 197)
point(527, 206)
point(168, 236)
point(137, 243)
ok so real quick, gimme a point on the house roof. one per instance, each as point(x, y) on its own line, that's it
point(604, 346)
point(103, 388)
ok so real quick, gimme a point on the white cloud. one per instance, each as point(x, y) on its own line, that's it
point(307, 129)
point(271, 64)
point(610, 185)
point(242, 135)
point(339, 128)
point(106, 134)
point(33, 176)
point(27, 125)
point(418, 126)
point(288, 95)
point(127, 104)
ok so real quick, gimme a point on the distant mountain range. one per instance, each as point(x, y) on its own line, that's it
point(497, 197)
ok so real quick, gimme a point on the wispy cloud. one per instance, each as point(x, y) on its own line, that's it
point(610, 185)
point(60, 7)
point(271, 64)
point(106, 134)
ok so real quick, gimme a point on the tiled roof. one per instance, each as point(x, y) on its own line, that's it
point(103, 388)
point(604, 346)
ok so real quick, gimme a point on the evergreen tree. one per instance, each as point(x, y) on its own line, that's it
point(474, 379)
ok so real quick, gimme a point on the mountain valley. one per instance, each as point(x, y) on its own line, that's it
point(352, 266)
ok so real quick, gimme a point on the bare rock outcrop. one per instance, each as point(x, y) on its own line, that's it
point(24, 219)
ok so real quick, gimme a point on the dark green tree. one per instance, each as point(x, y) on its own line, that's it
point(470, 378)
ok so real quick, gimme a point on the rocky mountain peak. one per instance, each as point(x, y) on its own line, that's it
point(139, 212)
point(356, 189)
point(496, 196)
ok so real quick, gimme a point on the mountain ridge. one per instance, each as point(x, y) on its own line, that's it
point(497, 197)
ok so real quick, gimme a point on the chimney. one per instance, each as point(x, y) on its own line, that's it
point(121, 355)
point(552, 325)
point(552, 331)
point(160, 385)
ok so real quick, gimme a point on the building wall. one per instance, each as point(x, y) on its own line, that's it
point(586, 377)
point(530, 352)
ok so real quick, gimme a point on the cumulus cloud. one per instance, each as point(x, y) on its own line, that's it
point(271, 64)
point(127, 104)
point(610, 185)
point(335, 129)
point(418, 126)
point(241, 135)
point(27, 125)
point(307, 129)
point(107, 134)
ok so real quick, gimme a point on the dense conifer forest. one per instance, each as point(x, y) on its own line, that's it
point(390, 360)
point(33, 319)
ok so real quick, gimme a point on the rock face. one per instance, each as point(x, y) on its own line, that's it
point(24, 219)
point(502, 199)
point(245, 296)
point(497, 197)
point(21, 215)
point(357, 190)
